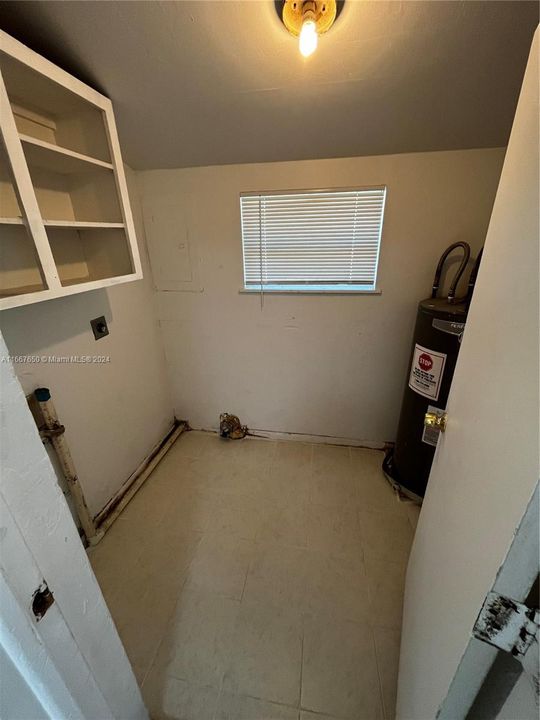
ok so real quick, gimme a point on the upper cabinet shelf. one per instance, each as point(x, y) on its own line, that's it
point(65, 220)
point(55, 112)
point(61, 160)
point(77, 224)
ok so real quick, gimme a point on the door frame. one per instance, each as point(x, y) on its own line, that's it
point(514, 579)
point(485, 468)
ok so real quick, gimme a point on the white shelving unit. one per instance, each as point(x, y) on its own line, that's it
point(65, 220)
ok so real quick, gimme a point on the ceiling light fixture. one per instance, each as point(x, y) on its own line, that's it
point(307, 19)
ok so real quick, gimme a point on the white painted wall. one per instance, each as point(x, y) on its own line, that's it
point(485, 469)
point(521, 702)
point(17, 701)
point(72, 660)
point(323, 365)
point(116, 412)
point(507, 692)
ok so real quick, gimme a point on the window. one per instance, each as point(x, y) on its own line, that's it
point(318, 241)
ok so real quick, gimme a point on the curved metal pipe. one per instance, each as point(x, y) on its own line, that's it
point(437, 279)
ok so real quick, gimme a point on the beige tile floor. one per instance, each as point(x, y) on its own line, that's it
point(259, 580)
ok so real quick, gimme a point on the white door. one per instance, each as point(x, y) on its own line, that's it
point(486, 465)
point(70, 662)
point(43, 673)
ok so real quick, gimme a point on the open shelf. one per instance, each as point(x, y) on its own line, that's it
point(88, 197)
point(62, 185)
point(85, 255)
point(62, 223)
point(20, 271)
point(81, 225)
point(9, 204)
point(47, 111)
point(44, 154)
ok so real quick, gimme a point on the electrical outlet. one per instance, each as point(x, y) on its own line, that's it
point(99, 327)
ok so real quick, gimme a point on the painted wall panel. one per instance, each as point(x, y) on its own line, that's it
point(486, 464)
point(114, 412)
point(74, 657)
point(323, 365)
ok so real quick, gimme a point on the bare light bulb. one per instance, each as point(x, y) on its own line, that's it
point(308, 38)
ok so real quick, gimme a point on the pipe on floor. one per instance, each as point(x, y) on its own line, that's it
point(54, 431)
point(106, 517)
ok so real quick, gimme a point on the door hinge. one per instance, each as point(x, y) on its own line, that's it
point(507, 624)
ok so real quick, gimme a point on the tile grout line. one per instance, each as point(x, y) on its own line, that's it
point(265, 700)
point(301, 664)
point(219, 687)
point(180, 591)
point(310, 482)
point(379, 676)
point(220, 691)
point(160, 643)
point(245, 579)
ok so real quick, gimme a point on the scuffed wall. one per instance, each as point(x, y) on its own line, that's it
point(315, 364)
point(75, 654)
point(114, 412)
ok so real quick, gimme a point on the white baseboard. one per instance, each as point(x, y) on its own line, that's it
point(106, 517)
point(302, 437)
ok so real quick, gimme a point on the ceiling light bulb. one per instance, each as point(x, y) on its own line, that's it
point(308, 38)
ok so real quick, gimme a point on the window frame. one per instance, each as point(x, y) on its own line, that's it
point(314, 289)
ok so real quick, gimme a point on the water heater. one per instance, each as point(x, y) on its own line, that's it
point(437, 337)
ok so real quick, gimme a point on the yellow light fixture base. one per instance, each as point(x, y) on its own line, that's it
point(321, 12)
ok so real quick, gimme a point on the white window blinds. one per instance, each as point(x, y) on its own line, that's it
point(314, 240)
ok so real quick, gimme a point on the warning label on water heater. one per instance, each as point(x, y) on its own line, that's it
point(427, 372)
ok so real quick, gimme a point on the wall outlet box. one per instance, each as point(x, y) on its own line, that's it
point(99, 327)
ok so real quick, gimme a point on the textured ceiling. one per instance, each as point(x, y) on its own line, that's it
point(205, 83)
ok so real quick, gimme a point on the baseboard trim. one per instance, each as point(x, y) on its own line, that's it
point(304, 437)
point(106, 517)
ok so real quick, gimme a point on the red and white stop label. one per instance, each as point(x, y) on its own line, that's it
point(427, 370)
point(425, 361)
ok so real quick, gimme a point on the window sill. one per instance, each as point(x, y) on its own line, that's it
point(282, 291)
